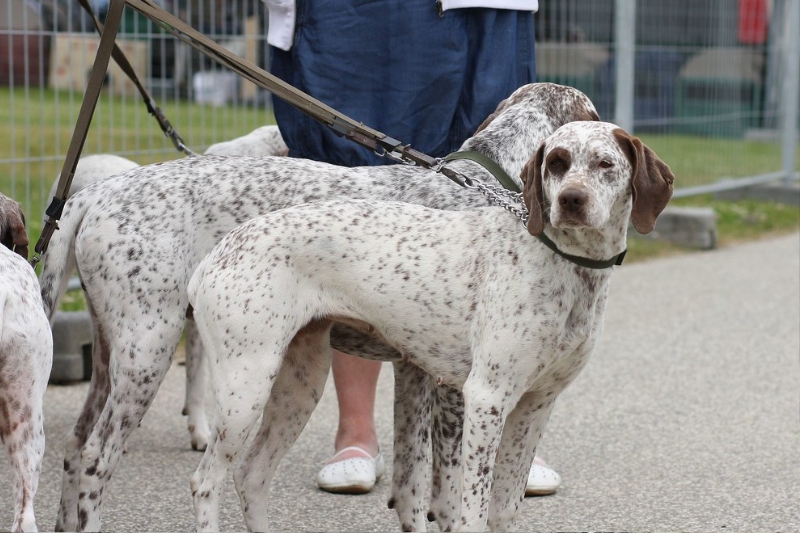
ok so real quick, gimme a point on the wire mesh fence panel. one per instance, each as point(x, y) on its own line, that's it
point(47, 48)
point(707, 77)
point(706, 89)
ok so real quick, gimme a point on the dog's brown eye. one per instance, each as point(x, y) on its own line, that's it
point(605, 163)
point(557, 165)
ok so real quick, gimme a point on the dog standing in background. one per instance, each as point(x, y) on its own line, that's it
point(263, 141)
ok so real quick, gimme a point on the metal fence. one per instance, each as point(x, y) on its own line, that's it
point(714, 81)
point(712, 85)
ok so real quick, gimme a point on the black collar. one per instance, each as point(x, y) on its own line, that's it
point(583, 261)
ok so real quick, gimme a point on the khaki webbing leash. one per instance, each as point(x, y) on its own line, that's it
point(90, 97)
point(119, 57)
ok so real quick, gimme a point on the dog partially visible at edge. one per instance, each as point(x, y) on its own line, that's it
point(12, 227)
point(26, 356)
point(139, 236)
point(472, 298)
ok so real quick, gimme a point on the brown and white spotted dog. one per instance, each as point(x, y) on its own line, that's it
point(263, 141)
point(470, 297)
point(139, 236)
point(26, 355)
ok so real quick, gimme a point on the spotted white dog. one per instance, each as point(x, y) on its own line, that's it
point(263, 141)
point(470, 297)
point(92, 168)
point(26, 355)
point(139, 236)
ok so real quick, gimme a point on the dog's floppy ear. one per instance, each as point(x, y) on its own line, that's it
point(12, 227)
point(532, 192)
point(651, 184)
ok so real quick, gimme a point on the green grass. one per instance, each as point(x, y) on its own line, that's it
point(702, 160)
point(743, 220)
point(51, 116)
point(39, 126)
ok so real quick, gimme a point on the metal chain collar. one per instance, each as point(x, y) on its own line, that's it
point(509, 200)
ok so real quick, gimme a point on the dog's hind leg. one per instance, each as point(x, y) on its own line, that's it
point(522, 432)
point(241, 385)
point(96, 397)
point(196, 384)
point(448, 418)
point(141, 359)
point(295, 394)
point(243, 369)
point(412, 405)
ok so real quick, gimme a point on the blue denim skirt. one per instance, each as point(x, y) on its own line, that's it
point(399, 67)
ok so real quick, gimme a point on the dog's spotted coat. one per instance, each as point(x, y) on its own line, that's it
point(139, 236)
point(265, 140)
point(469, 297)
point(26, 355)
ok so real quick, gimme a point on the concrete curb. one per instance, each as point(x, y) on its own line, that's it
point(692, 227)
point(785, 193)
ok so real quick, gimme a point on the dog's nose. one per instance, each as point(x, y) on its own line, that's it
point(572, 199)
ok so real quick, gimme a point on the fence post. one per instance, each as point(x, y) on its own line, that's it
point(791, 87)
point(625, 43)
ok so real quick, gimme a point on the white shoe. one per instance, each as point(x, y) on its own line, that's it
point(355, 475)
point(542, 480)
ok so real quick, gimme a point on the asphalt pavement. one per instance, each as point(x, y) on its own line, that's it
point(687, 418)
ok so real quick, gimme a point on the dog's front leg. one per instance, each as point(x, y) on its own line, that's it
point(412, 409)
point(522, 433)
point(486, 405)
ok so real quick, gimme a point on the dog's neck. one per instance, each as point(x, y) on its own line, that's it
point(588, 243)
point(509, 147)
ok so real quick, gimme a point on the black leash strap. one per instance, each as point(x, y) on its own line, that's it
point(90, 97)
point(119, 57)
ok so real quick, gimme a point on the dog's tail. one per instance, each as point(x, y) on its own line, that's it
point(58, 263)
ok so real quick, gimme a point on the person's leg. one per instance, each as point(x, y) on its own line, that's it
point(356, 380)
point(357, 463)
